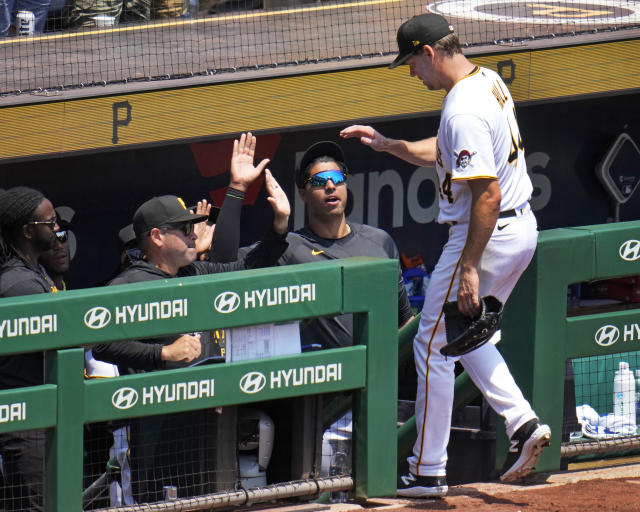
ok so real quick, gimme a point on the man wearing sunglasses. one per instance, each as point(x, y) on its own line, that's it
point(321, 178)
point(57, 259)
point(28, 227)
point(166, 237)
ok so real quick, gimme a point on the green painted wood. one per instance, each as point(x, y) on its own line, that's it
point(188, 389)
point(28, 408)
point(375, 409)
point(364, 286)
point(537, 336)
point(64, 443)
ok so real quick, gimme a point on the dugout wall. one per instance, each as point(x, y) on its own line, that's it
point(53, 323)
point(539, 336)
point(100, 156)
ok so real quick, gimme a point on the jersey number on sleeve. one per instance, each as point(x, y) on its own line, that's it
point(515, 134)
point(445, 190)
point(503, 99)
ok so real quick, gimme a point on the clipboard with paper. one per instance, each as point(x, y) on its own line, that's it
point(263, 341)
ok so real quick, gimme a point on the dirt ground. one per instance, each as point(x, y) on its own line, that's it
point(614, 489)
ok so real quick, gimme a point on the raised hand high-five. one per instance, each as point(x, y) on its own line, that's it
point(279, 202)
point(243, 172)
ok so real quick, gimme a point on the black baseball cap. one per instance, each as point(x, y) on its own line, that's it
point(413, 34)
point(126, 235)
point(322, 148)
point(160, 211)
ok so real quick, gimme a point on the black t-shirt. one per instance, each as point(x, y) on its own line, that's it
point(17, 279)
point(307, 247)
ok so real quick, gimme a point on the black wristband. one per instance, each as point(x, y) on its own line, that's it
point(235, 193)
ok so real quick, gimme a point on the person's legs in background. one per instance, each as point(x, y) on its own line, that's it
point(6, 6)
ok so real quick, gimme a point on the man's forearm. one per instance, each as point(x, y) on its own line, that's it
point(485, 208)
point(421, 152)
point(130, 354)
point(226, 239)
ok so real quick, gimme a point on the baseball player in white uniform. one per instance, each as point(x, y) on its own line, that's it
point(484, 191)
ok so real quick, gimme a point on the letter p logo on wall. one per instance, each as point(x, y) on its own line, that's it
point(120, 121)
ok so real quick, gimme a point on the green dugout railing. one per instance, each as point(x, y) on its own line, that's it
point(54, 323)
point(537, 335)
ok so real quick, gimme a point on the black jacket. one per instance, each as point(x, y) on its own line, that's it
point(139, 356)
point(16, 279)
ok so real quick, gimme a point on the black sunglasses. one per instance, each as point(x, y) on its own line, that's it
point(51, 223)
point(186, 228)
point(62, 236)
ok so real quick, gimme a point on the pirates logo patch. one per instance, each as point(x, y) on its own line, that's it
point(463, 159)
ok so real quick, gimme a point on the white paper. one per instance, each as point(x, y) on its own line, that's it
point(262, 341)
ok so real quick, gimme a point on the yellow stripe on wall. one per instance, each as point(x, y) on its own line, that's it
point(297, 101)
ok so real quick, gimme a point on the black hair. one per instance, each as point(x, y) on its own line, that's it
point(17, 206)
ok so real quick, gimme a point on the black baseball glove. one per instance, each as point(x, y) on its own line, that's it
point(465, 334)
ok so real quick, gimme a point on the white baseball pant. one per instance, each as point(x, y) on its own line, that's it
point(506, 256)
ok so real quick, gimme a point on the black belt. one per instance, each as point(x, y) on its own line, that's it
point(511, 213)
point(501, 215)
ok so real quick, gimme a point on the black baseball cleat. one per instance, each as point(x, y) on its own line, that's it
point(412, 486)
point(525, 449)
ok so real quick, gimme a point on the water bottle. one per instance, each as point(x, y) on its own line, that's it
point(340, 466)
point(624, 394)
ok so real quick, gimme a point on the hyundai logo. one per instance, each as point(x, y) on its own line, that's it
point(226, 302)
point(630, 250)
point(124, 398)
point(252, 382)
point(607, 335)
point(97, 318)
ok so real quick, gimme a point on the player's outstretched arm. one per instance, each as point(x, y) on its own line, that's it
point(279, 202)
point(421, 152)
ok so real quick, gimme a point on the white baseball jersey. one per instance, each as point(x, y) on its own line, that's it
point(479, 137)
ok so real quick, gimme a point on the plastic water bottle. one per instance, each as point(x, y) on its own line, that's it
point(624, 394)
point(637, 396)
point(339, 467)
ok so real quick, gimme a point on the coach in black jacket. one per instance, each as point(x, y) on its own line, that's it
point(164, 449)
point(167, 243)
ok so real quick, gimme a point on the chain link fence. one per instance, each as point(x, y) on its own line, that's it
point(59, 44)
